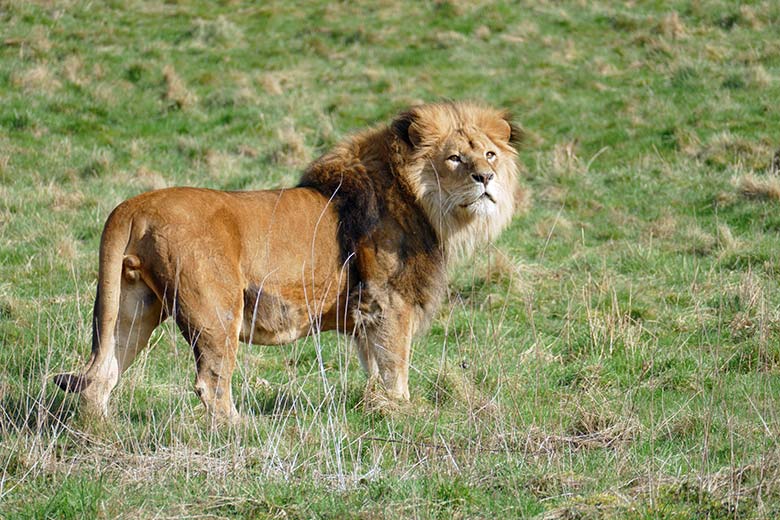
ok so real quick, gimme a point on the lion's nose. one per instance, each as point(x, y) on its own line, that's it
point(483, 177)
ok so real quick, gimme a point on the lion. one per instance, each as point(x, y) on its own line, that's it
point(360, 246)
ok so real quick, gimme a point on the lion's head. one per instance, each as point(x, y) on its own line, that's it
point(463, 169)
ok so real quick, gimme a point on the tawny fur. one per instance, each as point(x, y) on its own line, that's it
point(360, 246)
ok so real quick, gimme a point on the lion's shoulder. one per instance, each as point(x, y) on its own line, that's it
point(353, 189)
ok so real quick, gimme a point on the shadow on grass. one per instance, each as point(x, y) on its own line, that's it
point(268, 402)
point(285, 400)
point(28, 413)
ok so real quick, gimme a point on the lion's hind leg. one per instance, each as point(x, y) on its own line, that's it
point(137, 313)
point(210, 321)
point(140, 312)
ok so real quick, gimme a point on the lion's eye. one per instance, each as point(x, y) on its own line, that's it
point(454, 158)
point(490, 155)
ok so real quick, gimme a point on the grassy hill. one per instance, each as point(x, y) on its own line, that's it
point(614, 355)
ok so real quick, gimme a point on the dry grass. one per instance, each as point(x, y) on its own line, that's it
point(176, 91)
point(759, 77)
point(38, 78)
point(272, 84)
point(758, 187)
point(727, 242)
point(221, 165)
point(237, 91)
point(672, 27)
point(728, 150)
point(99, 165)
point(292, 150)
point(221, 32)
point(499, 268)
point(698, 241)
point(148, 179)
point(73, 70)
point(724, 494)
point(556, 226)
point(663, 227)
point(564, 160)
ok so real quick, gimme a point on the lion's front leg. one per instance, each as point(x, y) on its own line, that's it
point(384, 341)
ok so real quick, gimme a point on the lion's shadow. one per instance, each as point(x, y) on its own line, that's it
point(269, 402)
point(23, 412)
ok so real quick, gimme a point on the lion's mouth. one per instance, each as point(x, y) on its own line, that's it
point(485, 195)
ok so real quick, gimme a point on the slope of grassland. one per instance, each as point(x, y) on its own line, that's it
point(614, 355)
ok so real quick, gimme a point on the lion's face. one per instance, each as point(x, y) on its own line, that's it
point(467, 175)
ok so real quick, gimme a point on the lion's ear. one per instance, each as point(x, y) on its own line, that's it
point(404, 126)
point(505, 130)
point(516, 134)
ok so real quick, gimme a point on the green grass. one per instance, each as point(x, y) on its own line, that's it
point(614, 355)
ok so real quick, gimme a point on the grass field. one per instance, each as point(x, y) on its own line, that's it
point(614, 355)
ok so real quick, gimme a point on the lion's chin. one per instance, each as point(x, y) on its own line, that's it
point(484, 205)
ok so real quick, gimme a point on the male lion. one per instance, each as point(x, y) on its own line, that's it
point(360, 246)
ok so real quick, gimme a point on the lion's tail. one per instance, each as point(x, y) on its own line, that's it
point(113, 243)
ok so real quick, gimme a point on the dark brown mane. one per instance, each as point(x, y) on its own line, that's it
point(357, 177)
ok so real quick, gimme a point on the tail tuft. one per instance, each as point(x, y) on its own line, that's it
point(71, 382)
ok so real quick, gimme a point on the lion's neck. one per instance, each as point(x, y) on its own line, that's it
point(461, 239)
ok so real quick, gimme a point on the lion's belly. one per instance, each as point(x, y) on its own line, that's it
point(270, 319)
point(261, 336)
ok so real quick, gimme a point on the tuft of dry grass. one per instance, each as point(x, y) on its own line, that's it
point(564, 162)
point(73, 70)
point(111, 92)
point(149, 179)
point(221, 165)
point(272, 84)
point(664, 226)
point(552, 484)
point(729, 492)
point(599, 427)
point(611, 326)
point(727, 242)
point(696, 240)
point(455, 387)
point(39, 41)
point(99, 165)
point(759, 77)
point(671, 26)
point(67, 248)
point(221, 32)
point(755, 187)
point(607, 436)
point(192, 148)
point(375, 400)
point(564, 156)
point(726, 238)
point(752, 15)
point(38, 78)
point(176, 91)
point(523, 200)
point(240, 91)
point(292, 150)
point(483, 32)
point(556, 226)
point(64, 199)
point(728, 150)
point(501, 268)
